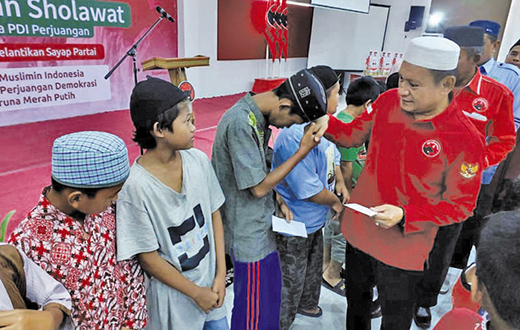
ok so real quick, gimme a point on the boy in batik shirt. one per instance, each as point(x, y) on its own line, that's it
point(71, 233)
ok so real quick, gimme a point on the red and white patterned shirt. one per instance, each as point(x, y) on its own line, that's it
point(106, 294)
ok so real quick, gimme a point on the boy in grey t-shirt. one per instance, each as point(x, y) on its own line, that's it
point(239, 159)
point(168, 214)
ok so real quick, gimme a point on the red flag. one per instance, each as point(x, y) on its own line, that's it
point(270, 32)
point(283, 32)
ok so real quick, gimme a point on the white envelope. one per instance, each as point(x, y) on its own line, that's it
point(295, 228)
point(361, 209)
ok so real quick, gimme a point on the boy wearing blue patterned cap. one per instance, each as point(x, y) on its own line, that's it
point(71, 232)
point(168, 214)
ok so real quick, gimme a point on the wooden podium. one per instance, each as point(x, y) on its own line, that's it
point(176, 66)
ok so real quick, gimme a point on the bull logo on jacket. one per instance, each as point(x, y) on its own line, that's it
point(468, 170)
point(480, 104)
point(431, 148)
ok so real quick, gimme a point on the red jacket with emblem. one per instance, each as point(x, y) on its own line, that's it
point(431, 169)
point(489, 106)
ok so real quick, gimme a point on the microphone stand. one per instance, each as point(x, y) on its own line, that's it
point(133, 52)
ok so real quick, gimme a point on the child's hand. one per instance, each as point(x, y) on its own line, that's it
point(206, 299)
point(322, 124)
point(309, 139)
point(337, 208)
point(22, 319)
point(342, 192)
point(283, 211)
point(219, 287)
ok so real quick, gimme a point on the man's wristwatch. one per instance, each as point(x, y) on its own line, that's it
point(402, 222)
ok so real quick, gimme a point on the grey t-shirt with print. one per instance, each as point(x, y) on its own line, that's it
point(240, 163)
point(151, 216)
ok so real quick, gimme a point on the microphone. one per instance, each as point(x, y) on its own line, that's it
point(164, 14)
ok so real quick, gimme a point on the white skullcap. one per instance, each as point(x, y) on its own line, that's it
point(433, 53)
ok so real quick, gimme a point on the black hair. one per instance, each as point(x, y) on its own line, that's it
point(361, 90)
point(283, 92)
point(438, 75)
point(498, 264)
point(392, 81)
point(471, 52)
point(142, 134)
point(508, 196)
point(90, 192)
point(515, 44)
point(382, 86)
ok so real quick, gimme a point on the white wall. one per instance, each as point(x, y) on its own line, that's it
point(396, 39)
point(511, 31)
point(197, 22)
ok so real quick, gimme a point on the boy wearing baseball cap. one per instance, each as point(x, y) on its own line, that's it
point(239, 159)
point(71, 232)
point(168, 214)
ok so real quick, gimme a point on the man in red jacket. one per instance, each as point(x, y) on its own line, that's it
point(423, 170)
point(489, 106)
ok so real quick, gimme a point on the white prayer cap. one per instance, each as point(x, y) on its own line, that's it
point(433, 53)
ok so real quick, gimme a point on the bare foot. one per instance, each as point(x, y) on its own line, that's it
point(311, 311)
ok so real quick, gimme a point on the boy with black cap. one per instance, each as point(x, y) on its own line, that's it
point(168, 213)
point(240, 163)
point(489, 106)
point(71, 233)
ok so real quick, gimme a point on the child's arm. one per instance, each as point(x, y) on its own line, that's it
point(219, 284)
point(162, 270)
point(282, 210)
point(346, 170)
point(42, 289)
point(341, 189)
point(326, 197)
point(308, 141)
point(50, 318)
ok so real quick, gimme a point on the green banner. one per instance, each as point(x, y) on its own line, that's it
point(60, 18)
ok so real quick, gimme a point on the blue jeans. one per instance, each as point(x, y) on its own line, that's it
point(221, 324)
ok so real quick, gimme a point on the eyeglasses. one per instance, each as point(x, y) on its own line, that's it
point(467, 276)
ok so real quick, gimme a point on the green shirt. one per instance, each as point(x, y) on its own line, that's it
point(355, 155)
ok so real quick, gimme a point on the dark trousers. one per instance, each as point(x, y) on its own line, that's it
point(438, 265)
point(301, 261)
point(471, 228)
point(395, 288)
